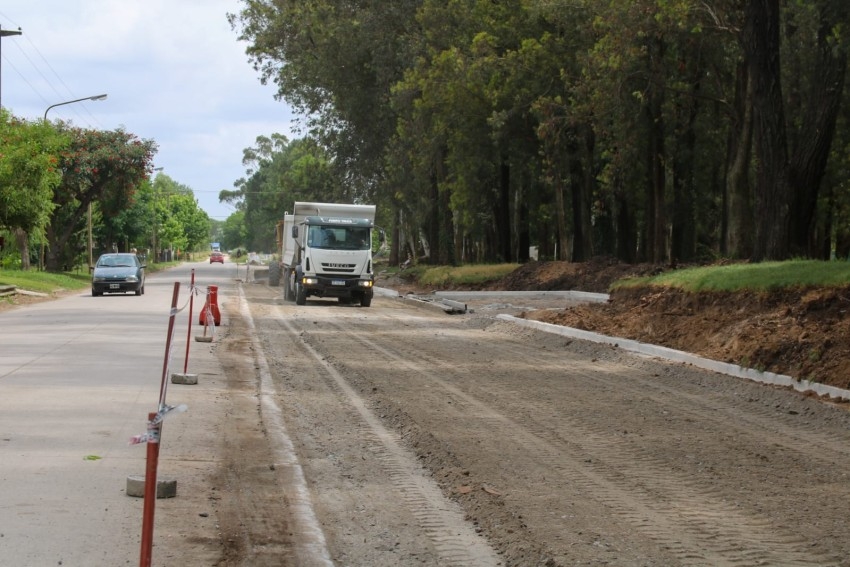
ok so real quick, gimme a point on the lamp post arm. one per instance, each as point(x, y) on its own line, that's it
point(97, 97)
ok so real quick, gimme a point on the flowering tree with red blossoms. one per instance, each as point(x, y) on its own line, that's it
point(101, 168)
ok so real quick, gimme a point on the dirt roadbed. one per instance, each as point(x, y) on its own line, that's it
point(397, 435)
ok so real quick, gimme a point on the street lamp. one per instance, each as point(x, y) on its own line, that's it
point(95, 97)
point(153, 200)
point(6, 33)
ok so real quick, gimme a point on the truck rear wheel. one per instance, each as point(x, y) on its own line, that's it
point(274, 274)
point(287, 284)
point(300, 294)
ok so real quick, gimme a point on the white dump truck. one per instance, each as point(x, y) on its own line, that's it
point(325, 251)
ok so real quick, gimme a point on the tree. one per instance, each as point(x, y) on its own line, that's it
point(99, 168)
point(29, 172)
point(278, 173)
point(651, 130)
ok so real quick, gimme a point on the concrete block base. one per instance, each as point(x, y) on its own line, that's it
point(190, 379)
point(203, 339)
point(165, 487)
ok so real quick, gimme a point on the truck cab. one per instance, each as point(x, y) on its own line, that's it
point(335, 259)
point(326, 251)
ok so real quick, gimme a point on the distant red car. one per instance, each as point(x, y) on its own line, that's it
point(217, 257)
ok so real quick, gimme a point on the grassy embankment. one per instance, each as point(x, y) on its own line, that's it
point(44, 282)
point(765, 276)
point(447, 276)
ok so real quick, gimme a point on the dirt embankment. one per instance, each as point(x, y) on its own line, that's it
point(803, 333)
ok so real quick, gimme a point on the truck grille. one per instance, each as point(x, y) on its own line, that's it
point(335, 268)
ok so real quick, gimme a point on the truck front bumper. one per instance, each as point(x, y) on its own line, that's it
point(324, 286)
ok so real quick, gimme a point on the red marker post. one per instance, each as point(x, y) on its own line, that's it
point(154, 434)
point(189, 333)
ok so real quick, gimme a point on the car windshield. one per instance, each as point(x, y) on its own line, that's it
point(117, 261)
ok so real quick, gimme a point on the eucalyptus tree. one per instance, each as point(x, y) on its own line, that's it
point(335, 63)
point(793, 137)
point(278, 173)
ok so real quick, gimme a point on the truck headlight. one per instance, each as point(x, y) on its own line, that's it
point(365, 283)
point(309, 281)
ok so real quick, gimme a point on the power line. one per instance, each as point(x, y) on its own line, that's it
point(46, 80)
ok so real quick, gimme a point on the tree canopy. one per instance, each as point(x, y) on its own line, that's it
point(661, 131)
point(54, 177)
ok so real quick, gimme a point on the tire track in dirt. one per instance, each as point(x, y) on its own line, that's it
point(441, 520)
point(664, 503)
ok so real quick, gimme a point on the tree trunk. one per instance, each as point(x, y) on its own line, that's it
point(657, 177)
point(656, 232)
point(683, 243)
point(810, 155)
point(562, 238)
point(737, 210)
point(522, 216)
point(446, 253)
point(760, 41)
point(22, 240)
point(581, 181)
point(503, 213)
point(395, 235)
point(627, 249)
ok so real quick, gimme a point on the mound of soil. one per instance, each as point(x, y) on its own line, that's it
point(800, 333)
point(594, 276)
point(803, 333)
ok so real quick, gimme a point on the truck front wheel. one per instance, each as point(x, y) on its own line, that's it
point(366, 299)
point(300, 294)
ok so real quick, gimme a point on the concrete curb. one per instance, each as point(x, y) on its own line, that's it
point(583, 296)
point(687, 358)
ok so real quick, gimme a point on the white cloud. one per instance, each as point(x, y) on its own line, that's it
point(174, 72)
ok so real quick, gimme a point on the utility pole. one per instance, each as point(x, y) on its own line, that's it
point(5, 33)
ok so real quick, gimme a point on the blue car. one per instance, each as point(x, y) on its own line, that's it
point(118, 273)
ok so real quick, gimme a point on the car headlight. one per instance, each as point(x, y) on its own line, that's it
point(98, 279)
point(132, 279)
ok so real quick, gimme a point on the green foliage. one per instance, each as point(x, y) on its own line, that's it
point(29, 172)
point(578, 126)
point(753, 277)
point(280, 172)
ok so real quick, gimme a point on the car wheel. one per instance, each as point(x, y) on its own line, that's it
point(95, 294)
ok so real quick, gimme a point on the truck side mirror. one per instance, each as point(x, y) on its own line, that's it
point(294, 231)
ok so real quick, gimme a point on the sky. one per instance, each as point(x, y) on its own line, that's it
point(174, 72)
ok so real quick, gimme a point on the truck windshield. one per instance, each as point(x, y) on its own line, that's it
point(339, 237)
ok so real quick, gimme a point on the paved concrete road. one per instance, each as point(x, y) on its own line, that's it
point(78, 377)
